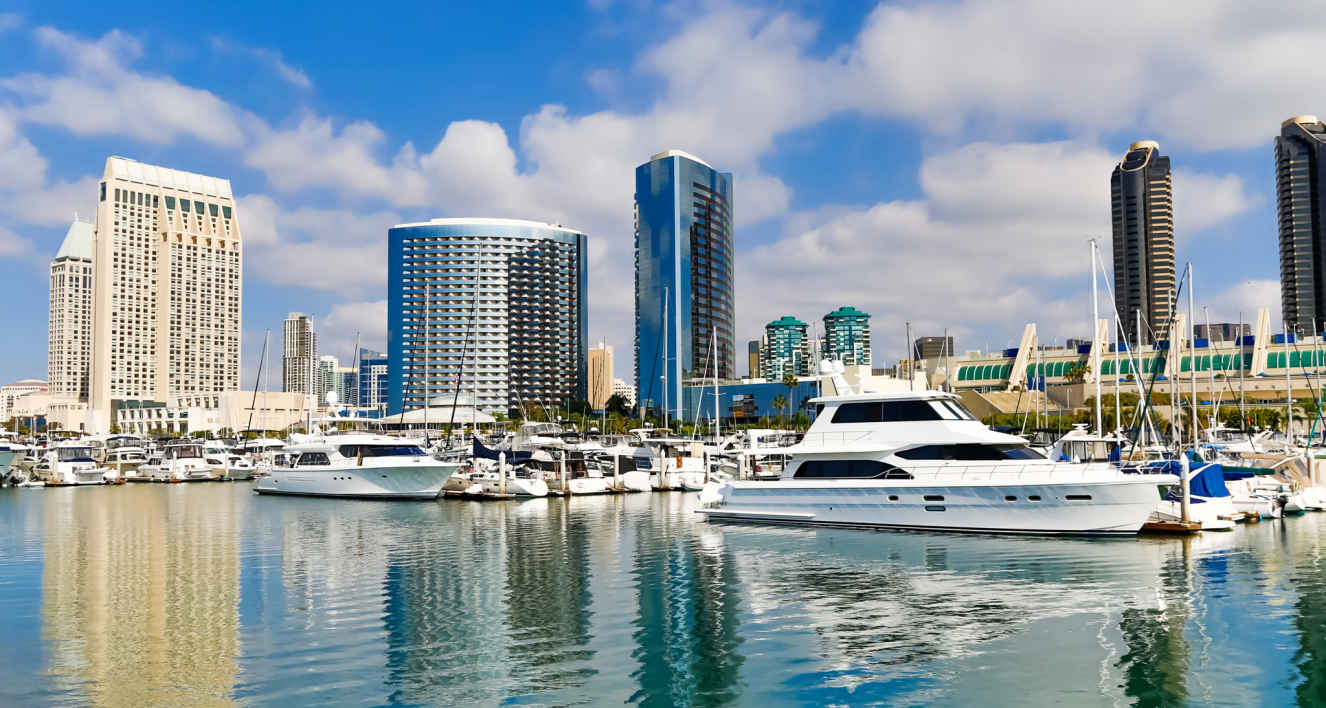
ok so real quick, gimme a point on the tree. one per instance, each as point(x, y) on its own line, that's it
point(790, 381)
point(1078, 373)
point(618, 405)
point(779, 402)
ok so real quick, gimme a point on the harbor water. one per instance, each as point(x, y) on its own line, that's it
point(209, 595)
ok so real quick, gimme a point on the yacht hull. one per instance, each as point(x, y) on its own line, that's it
point(1084, 508)
point(404, 482)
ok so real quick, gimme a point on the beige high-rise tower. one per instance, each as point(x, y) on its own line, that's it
point(70, 331)
point(168, 280)
point(600, 376)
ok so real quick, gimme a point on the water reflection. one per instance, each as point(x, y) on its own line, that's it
point(186, 595)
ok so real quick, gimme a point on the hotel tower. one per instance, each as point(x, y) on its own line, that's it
point(168, 287)
point(1142, 209)
point(70, 332)
point(1300, 189)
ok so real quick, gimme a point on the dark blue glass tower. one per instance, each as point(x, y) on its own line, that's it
point(684, 267)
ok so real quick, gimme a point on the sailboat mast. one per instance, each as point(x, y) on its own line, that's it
point(666, 412)
point(1192, 355)
point(1095, 334)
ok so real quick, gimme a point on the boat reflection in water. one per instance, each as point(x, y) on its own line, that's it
point(187, 595)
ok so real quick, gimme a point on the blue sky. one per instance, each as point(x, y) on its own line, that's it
point(939, 163)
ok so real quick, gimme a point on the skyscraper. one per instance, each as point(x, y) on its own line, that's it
point(932, 347)
point(299, 352)
point(683, 269)
point(786, 349)
point(847, 336)
point(600, 376)
point(329, 379)
point(372, 379)
point(753, 358)
point(1142, 207)
point(69, 354)
point(501, 302)
point(167, 268)
point(1300, 187)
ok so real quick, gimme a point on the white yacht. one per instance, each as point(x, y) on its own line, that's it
point(70, 463)
point(178, 461)
point(224, 464)
point(358, 465)
point(922, 461)
point(11, 453)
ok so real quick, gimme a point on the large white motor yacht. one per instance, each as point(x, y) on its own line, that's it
point(358, 465)
point(70, 463)
point(179, 461)
point(923, 461)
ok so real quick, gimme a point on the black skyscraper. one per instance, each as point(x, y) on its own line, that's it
point(1299, 195)
point(1143, 212)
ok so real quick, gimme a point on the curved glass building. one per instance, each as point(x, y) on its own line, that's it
point(498, 304)
point(684, 272)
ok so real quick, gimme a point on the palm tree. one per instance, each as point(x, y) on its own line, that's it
point(790, 381)
point(779, 402)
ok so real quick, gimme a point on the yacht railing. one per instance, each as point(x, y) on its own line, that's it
point(1050, 472)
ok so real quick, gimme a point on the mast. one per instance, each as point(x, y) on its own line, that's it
point(1192, 354)
point(261, 362)
point(1243, 414)
point(1145, 400)
point(1095, 332)
point(428, 359)
point(718, 422)
point(907, 352)
point(948, 360)
point(1118, 407)
point(1289, 395)
point(1211, 387)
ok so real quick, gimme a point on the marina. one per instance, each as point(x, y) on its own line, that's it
point(209, 594)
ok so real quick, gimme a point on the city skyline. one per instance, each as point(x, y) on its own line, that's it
point(814, 181)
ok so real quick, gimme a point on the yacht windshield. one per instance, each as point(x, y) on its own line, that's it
point(74, 454)
point(971, 452)
point(381, 451)
point(901, 411)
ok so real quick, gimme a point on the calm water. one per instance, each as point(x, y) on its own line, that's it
point(207, 595)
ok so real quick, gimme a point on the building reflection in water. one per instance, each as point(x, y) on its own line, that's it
point(140, 594)
point(687, 630)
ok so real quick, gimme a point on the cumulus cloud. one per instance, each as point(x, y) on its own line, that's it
point(11, 244)
point(1242, 301)
point(338, 327)
point(335, 250)
point(986, 249)
point(100, 95)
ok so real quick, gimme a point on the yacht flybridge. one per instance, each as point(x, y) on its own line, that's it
point(921, 460)
point(358, 465)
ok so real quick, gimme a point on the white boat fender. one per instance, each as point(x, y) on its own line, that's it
point(711, 494)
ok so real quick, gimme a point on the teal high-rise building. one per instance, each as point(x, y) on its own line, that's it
point(786, 349)
point(684, 292)
point(847, 336)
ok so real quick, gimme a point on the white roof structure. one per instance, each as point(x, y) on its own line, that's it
point(77, 243)
point(439, 415)
point(680, 153)
point(484, 221)
point(135, 171)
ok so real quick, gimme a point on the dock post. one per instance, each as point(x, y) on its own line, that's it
point(1183, 471)
point(501, 473)
point(561, 464)
point(662, 470)
point(741, 466)
point(616, 471)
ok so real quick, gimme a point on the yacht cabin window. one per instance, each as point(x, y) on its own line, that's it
point(849, 469)
point(971, 452)
point(313, 459)
point(352, 451)
point(901, 411)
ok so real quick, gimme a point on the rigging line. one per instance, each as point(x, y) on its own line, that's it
point(1164, 358)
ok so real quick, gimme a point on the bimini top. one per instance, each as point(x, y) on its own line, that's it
point(485, 221)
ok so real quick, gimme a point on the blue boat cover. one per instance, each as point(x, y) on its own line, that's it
point(512, 457)
point(1205, 480)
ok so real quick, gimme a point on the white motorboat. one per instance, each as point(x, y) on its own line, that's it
point(70, 463)
point(178, 461)
point(222, 463)
point(11, 453)
point(358, 465)
point(921, 460)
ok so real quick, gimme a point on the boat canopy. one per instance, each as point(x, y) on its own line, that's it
point(513, 457)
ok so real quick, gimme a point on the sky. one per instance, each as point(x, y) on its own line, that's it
point(938, 163)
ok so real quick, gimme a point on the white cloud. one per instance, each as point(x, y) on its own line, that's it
point(999, 239)
point(337, 329)
point(1207, 75)
point(11, 244)
point(336, 250)
point(1203, 200)
point(100, 95)
point(1241, 300)
point(269, 58)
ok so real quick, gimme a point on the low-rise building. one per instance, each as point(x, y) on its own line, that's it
point(9, 393)
point(213, 413)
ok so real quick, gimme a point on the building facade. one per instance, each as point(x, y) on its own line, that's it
point(786, 349)
point(932, 347)
point(498, 302)
point(1142, 210)
point(684, 274)
point(372, 380)
point(621, 388)
point(168, 273)
point(1222, 331)
point(753, 359)
point(600, 376)
point(69, 351)
point(299, 355)
point(847, 336)
point(10, 393)
point(1300, 187)
point(215, 413)
point(328, 379)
